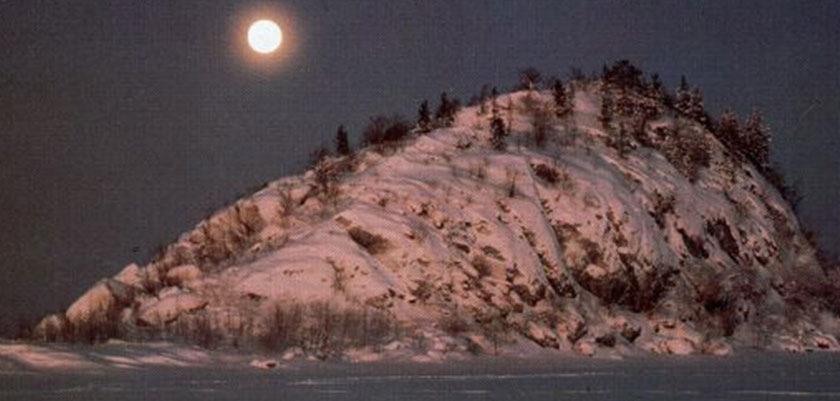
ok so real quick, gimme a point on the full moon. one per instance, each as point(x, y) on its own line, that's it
point(264, 36)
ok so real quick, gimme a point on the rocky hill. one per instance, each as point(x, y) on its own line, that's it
point(575, 232)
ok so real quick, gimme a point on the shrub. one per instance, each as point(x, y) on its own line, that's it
point(688, 151)
point(621, 142)
point(286, 204)
point(606, 116)
point(624, 75)
point(510, 186)
point(339, 276)
point(423, 291)
point(325, 329)
point(382, 131)
point(546, 173)
point(662, 206)
point(542, 123)
point(495, 327)
point(326, 179)
point(198, 329)
point(454, 324)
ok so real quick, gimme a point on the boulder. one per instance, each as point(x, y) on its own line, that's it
point(50, 328)
point(264, 363)
point(825, 342)
point(677, 346)
point(292, 353)
point(717, 348)
point(131, 275)
point(586, 348)
point(182, 274)
point(169, 308)
point(101, 302)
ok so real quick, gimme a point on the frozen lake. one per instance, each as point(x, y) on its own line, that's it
point(746, 376)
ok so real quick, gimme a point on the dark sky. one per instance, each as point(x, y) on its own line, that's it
point(122, 123)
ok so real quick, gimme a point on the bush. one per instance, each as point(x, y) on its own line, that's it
point(662, 206)
point(325, 329)
point(548, 174)
point(423, 291)
point(688, 151)
point(624, 75)
point(454, 325)
point(542, 119)
point(383, 130)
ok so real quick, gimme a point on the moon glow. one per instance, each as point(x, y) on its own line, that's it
point(265, 36)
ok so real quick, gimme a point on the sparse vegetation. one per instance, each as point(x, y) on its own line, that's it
point(548, 174)
point(384, 132)
point(606, 116)
point(607, 264)
point(688, 151)
point(542, 119)
point(422, 290)
point(663, 205)
point(562, 101)
point(324, 329)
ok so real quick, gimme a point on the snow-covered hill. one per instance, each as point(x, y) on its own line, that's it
point(440, 243)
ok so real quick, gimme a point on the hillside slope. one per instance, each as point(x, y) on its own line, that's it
point(578, 244)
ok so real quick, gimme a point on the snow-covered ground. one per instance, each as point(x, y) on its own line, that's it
point(573, 246)
point(166, 372)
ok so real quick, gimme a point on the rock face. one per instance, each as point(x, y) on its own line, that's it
point(576, 244)
point(100, 302)
point(182, 275)
point(167, 309)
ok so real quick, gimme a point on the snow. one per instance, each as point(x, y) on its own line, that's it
point(112, 355)
point(444, 203)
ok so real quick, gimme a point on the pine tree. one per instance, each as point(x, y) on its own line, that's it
point(562, 103)
point(342, 142)
point(697, 111)
point(482, 99)
point(683, 101)
point(510, 113)
point(689, 102)
point(655, 90)
point(728, 132)
point(494, 96)
point(606, 110)
point(497, 127)
point(622, 142)
point(624, 75)
point(318, 155)
point(424, 117)
point(445, 114)
point(755, 140)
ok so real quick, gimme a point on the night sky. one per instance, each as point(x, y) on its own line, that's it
point(123, 123)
